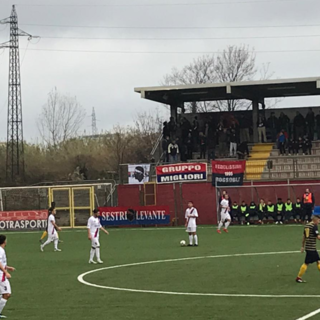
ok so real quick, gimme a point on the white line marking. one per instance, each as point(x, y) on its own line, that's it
point(12, 232)
point(310, 315)
point(81, 278)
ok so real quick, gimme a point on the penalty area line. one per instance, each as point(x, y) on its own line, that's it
point(309, 315)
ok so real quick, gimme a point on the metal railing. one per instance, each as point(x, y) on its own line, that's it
point(156, 146)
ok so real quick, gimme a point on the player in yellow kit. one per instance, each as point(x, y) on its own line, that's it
point(309, 245)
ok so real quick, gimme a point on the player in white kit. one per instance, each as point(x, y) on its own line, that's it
point(52, 231)
point(94, 227)
point(5, 287)
point(225, 217)
point(191, 216)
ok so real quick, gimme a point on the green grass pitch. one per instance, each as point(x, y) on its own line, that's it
point(45, 285)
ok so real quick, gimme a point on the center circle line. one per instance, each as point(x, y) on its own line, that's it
point(81, 278)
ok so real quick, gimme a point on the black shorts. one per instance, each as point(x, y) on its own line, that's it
point(311, 257)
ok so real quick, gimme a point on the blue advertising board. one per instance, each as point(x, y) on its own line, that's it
point(133, 216)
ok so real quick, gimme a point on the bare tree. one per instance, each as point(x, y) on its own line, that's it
point(235, 63)
point(148, 127)
point(199, 71)
point(60, 119)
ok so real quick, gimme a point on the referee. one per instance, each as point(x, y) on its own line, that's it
point(309, 244)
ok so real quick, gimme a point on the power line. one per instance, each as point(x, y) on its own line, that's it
point(166, 52)
point(170, 28)
point(175, 39)
point(159, 4)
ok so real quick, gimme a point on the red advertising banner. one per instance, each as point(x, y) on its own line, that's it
point(182, 172)
point(228, 173)
point(16, 220)
point(136, 215)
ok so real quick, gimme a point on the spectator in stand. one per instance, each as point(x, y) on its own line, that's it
point(211, 143)
point(172, 128)
point(233, 140)
point(300, 145)
point(206, 130)
point(223, 139)
point(185, 128)
point(282, 143)
point(182, 149)
point(284, 122)
point(165, 130)
point(243, 150)
point(165, 145)
point(273, 126)
point(203, 145)
point(262, 129)
point(244, 129)
point(195, 132)
point(318, 125)
point(219, 129)
point(292, 147)
point(310, 121)
point(307, 146)
point(299, 125)
point(189, 144)
point(173, 151)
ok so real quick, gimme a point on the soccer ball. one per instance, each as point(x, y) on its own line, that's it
point(182, 243)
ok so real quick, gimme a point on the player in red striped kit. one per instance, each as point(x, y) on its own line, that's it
point(94, 227)
point(52, 231)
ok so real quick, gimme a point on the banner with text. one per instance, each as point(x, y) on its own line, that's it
point(228, 173)
point(138, 173)
point(124, 216)
point(182, 172)
point(23, 220)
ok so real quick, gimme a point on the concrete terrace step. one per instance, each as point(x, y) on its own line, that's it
point(291, 175)
point(255, 168)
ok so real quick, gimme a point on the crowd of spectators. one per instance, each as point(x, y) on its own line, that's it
point(229, 137)
point(296, 139)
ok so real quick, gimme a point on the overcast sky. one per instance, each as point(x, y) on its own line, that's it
point(106, 80)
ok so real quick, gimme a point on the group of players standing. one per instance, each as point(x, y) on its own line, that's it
point(93, 226)
point(281, 212)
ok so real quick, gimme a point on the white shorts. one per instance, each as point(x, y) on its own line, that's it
point(53, 236)
point(225, 216)
point(191, 229)
point(95, 242)
point(5, 287)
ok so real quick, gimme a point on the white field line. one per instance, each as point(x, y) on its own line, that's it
point(310, 315)
point(81, 278)
point(150, 229)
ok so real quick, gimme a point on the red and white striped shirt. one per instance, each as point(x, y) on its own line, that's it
point(94, 225)
point(3, 261)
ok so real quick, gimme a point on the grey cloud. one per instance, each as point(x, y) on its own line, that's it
point(106, 81)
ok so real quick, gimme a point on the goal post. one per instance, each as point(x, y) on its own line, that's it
point(73, 203)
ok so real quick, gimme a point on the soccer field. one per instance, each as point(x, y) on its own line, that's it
point(216, 284)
